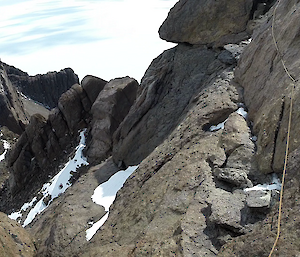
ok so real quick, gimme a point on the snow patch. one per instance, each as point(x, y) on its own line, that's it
point(218, 127)
point(274, 185)
point(241, 111)
point(105, 194)
point(56, 186)
point(6, 146)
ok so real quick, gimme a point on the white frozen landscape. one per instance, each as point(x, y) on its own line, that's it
point(105, 195)
point(55, 187)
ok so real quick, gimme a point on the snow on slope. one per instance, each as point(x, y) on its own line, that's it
point(6, 146)
point(55, 187)
point(105, 194)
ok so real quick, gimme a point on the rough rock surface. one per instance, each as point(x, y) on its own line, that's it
point(108, 111)
point(60, 231)
point(12, 114)
point(46, 88)
point(14, 240)
point(260, 72)
point(207, 22)
point(259, 242)
point(173, 205)
point(40, 148)
point(169, 84)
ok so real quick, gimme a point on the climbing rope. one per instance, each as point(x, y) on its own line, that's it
point(288, 133)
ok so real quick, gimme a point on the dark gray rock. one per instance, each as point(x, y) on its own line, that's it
point(45, 89)
point(258, 199)
point(236, 177)
point(108, 111)
point(207, 22)
point(12, 113)
point(169, 84)
point(92, 86)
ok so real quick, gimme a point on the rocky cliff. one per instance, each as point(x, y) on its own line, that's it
point(46, 88)
point(207, 123)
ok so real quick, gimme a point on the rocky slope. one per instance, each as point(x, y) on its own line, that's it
point(199, 152)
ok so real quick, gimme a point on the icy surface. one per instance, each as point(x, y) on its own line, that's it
point(275, 185)
point(105, 194)
point(57, 185)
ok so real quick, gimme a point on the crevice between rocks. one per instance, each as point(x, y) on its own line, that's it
point(277, 132)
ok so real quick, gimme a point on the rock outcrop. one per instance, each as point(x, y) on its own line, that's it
point(215, 23)
point(45, 89)
point(267, 86)
point(15, 240)
point(40, 148)
point(108, 111)
point(12, 113)
point(169, 84)
point(197, 151)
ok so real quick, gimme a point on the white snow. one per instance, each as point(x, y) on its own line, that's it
point(57, 185)
point(105, 194)
point(6, 146)
point(241, 111)
point(275, 185)
point(16, 215)
point(219, 126)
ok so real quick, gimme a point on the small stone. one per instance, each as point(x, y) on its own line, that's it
point(258, 199)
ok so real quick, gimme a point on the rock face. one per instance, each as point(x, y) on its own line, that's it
point(173, 204)
point(74, 208)
point(39, 149)
point(169, 84)
point(15, 240)
point(260, 72)
point(12, 113)
point(108, 111)
point(207, 22)
point(196, 152)
point(46, 88)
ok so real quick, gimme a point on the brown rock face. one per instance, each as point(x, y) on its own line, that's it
point(267, 86)
point(108, 111)
point(12, 114)
point(172, 204)
point(40, 148)
point(169, 84)
point(207, 22)
point(15, 240)
point(61, 229)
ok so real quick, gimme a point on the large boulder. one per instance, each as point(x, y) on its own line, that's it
point(108, 111)
point(15, 240)
point(207, 22)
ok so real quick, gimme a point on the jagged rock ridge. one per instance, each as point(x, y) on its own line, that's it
point(187, 197)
